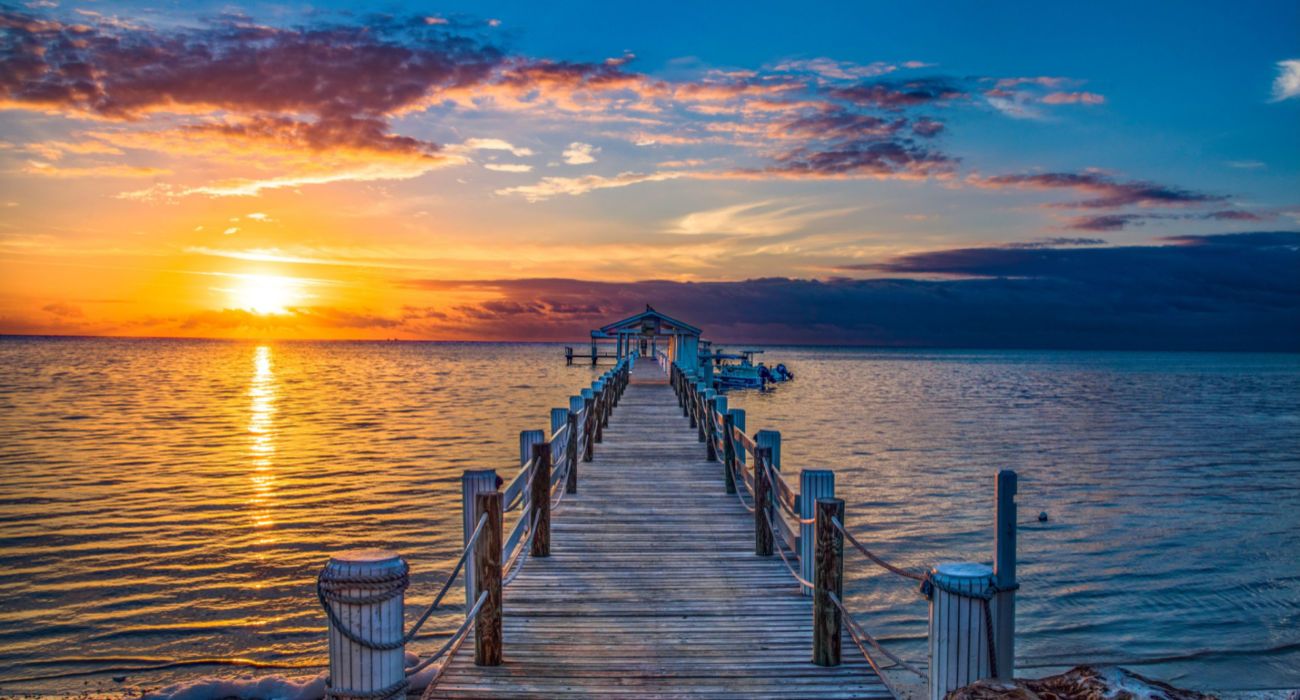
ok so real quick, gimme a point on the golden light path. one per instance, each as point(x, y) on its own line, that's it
point(261, 428)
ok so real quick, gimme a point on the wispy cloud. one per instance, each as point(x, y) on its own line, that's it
point(1287, 83)
point(763, 218)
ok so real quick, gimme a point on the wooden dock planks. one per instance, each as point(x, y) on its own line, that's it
point(652, 589)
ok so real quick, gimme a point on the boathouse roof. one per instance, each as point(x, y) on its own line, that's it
point(663, 324)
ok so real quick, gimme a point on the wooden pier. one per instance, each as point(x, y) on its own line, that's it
point(652, 587)
point(656, 549)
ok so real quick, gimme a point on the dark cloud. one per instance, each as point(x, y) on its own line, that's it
point(349, 79)
point(1115, 222)
point(1056, 243)
point(870, 157)
point(1104, 191)
point(1225, 292)
point(895, 94)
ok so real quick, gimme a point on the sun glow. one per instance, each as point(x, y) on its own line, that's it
point(265, 294)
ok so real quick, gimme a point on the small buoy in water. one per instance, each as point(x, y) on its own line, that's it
point(1042, 517)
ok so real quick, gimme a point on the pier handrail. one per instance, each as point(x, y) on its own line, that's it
point(772, 499)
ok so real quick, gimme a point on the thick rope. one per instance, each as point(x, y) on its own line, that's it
point(329, 590)
point(858, 634)
point(522, 556)
point(868, 554)
point(451, 652)
point(453, 639)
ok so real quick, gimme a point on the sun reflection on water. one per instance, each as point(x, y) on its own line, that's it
point(261, 429)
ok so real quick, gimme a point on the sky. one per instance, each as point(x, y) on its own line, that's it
point(1099, 175)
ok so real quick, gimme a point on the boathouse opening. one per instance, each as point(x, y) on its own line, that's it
point(649, 333)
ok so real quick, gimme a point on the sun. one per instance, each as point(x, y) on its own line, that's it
point(265, 294)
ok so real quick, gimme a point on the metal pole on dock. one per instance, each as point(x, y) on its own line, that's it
point(828, 580)
point(487, 571)
point(377, 580)
point(1004, 574)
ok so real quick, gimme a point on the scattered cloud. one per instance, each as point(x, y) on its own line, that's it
point(509, 167)
point(1246, 164)
point(493, 145)
point(64, 309)
point(35, 167)
point(579, 153)
point(552, 186)
point(1287, 83)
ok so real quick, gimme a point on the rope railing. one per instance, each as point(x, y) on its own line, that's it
point(858, 634)
point(872, 556)
point(454, 640)
point(387, 587)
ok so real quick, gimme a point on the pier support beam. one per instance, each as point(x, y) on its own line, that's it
point(828, 580)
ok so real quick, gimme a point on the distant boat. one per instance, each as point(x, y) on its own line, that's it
point(738, 371)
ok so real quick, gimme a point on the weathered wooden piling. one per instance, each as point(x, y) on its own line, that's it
point(487, 572)
point(828, 580)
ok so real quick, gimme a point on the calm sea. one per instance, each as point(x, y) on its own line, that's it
point(165, 505)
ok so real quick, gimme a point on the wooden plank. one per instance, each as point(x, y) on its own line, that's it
point(652, 589)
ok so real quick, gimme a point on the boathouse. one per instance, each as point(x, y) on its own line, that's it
point(647, 333)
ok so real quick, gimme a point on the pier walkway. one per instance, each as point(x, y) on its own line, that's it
point(652, 587)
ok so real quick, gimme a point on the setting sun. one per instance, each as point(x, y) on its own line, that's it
point(265, 294)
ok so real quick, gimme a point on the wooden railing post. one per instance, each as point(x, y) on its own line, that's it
point(729, 452)
point(688, 401)
point(1004, 574)
point(541, 499)
point(588, 435)
point(598, 390)
point(762, 504)
point(487, 570)
point(814, 484)
point(472, 483)
point(828, 579)
point(717, 405)
point(571, 453)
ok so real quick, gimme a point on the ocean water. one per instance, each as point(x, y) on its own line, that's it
point(165, 505)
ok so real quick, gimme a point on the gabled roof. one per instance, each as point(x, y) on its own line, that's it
point(650, 313)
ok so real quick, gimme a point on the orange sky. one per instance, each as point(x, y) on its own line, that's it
point(181, 176)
